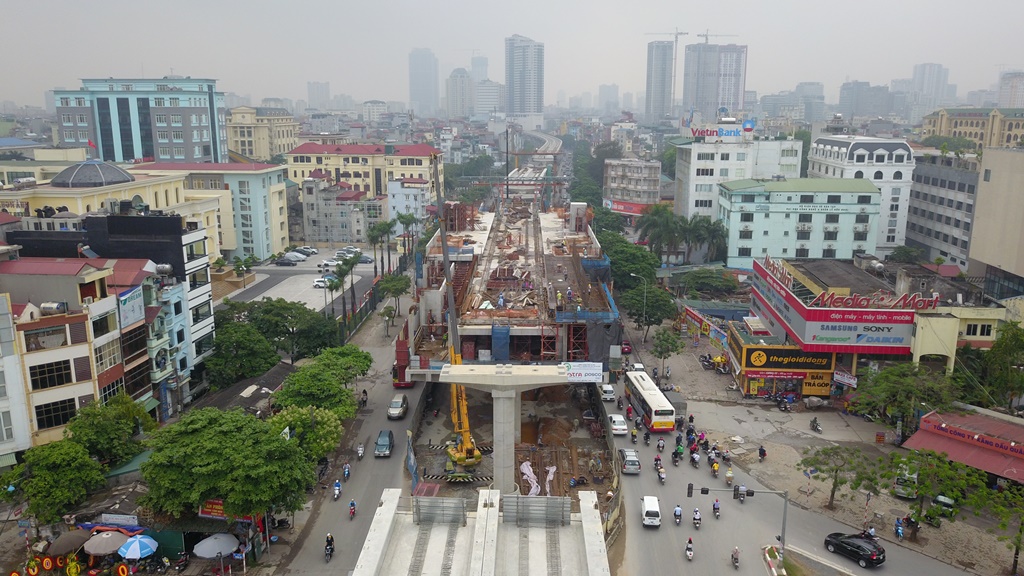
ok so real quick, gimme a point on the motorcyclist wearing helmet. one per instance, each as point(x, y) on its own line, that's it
point(330, 540)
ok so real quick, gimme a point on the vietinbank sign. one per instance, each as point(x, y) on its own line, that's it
point(718, 132)
point(886, 330)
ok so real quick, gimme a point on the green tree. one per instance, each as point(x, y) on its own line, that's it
point(603, 151)
point(905, 254)
point(666, 344)
point(659, 307)
point(937, 475)
point(898, 391)
point(239, 351)
point(409, 222)
point(387, 227)
point(388, 314)
point(395, 286)
point(663, 230)
point(108, 431)
point(333, 285)
point(713, 282)
point(805, 137)
point(211, 453)
point(607, 221)
point(54, 478)
point(312, 386)
point(374, 236)
point(291, 327)
point(716, 241)
point(344, 363)
point(627, 259)
point(952, 143)
point(668, 162)
point(587, 191)
point(1003, 361)
point(317, 430)
point(1006, 508)
point(841, 466)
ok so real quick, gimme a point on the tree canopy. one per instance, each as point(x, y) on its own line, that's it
point(1006, 506)
point(708, 281)
point(1003, 362)
point(841, 466)
point(240, 351)
point(951, 143)
point(902, 390)
point(54, 478)
point(607, 221)
point(660, 306)
point(317, 430)
point(663, 230)
point(906, 255)
point(627, 258)
point(666, 343)
point(291, 327)
point(395, 286)
point(108, 431)
point(668, 162)
point(230, 455)
point(603, 151)
point(324, 382)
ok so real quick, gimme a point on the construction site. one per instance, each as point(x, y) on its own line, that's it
point(530, 286)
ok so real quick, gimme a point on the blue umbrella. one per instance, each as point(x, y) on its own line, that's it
point(138, 547)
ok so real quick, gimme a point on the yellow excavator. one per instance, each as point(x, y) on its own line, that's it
point(463, 451)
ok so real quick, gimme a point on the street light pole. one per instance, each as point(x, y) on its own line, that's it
point(645, 304)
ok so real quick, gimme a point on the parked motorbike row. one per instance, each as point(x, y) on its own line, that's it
point(718, 364)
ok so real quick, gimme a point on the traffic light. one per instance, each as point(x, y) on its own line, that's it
point(705, 491)
point(735, 492)
point(689, 490)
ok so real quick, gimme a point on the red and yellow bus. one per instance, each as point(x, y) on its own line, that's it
point(643, 394)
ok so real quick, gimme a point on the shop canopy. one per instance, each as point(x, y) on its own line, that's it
point(969, 439)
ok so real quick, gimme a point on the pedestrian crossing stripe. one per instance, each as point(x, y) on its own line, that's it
point(481, 449)
point(457, 478)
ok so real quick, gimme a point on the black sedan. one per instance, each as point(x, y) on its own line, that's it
point(864, 550)
point(284, 262)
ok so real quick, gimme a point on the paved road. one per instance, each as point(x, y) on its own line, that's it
point(749, 525)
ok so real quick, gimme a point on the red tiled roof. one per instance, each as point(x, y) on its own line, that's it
point(128, 272)
point(351, 195)
point(8, 218)
point(204, 167)
point(945, 270)
point(152, 312)
point(344, 185)
point(365, 149)
point(318, 173)
point(44, 266)
point(17, 309)
point(413, 181)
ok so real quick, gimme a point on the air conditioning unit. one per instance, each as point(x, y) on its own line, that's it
point(87, 300)
point(863, 210)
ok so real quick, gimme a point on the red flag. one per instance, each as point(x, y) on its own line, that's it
point(92, 144)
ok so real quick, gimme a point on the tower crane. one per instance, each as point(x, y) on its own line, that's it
point(675, 61)
point(707, 35)
point(464, 450)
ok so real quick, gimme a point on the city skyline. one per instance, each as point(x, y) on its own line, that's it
point(782, 51)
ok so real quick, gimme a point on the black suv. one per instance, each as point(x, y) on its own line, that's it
point(863, 549)
point(385, 442)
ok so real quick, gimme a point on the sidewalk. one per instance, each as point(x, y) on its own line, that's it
point(725, 414)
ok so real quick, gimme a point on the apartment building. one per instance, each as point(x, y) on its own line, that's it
point(800, 218)
point(997, 244)
point(261, 133)
point(986, 127)
point(631, 186)
point(15, 427)
point(410, 196)
point(365, 167)
point(942, 200)
point(338, 214)
point(710, 155)
point(170, 119)
point(888, 163)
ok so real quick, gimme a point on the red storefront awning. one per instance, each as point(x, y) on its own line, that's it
point(979, 457)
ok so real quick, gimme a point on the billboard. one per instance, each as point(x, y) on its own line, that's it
point(830, 329)
point(629, 208)
point(584, 371)
point(131, 307)
point(786, 359)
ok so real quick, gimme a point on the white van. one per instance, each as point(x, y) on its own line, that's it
point(650, 511)
point(607, 393)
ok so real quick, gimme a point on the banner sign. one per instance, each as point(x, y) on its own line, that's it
point(584, 371)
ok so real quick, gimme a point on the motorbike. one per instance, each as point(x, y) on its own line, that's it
point(328, 552)
point(679, 518)
point(647, 439)
point(184, 558)
point(337, 492)
point(689, 551)
point(661, 444)
point(718, 513)
point(695, 462)
point(668, 373)
point(722, 369)
point(351, 512)
point(359, 451)
point(714, 471)
point(696, 523)
point(784, 406)
point(743, 493)
point(619, 403)
point(815, 426)
point(736, 562)
point(760, 455)
point(661, 474)
point(675, 458)
point(725, 457)
point(728, 477)
point(899, 533)
point(634, 438)
point(347, 472)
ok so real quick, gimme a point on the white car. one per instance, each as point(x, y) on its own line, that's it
point(618, 424)
point(319, 283)
point(330, 263)
point(607, 393)
point(311, 249)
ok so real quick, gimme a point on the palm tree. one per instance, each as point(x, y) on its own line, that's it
point(341, 270)
point(697, 229)
point(388, 228)
point(350, 265)
point(333, 285)
point(374, 236)
point(408, 221)
point(717, 240)
point(661, 228)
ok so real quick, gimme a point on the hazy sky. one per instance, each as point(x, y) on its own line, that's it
point(261, 48)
